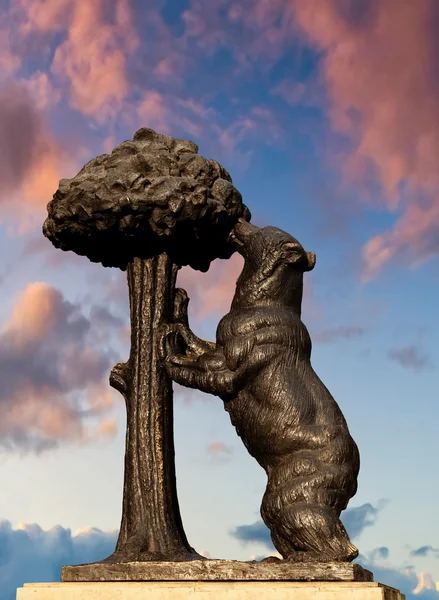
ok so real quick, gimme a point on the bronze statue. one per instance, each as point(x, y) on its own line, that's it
point(260, 367)
point(149, 208)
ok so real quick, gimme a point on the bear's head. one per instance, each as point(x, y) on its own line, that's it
point(274, 265)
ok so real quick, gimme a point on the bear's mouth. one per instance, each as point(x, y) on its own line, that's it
point(241, 234)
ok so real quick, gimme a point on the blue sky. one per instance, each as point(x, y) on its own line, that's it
point(325, 114)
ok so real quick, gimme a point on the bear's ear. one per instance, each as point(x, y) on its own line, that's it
point(294, 254)
point(291, 253)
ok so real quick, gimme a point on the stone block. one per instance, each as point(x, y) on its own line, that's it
point(209, 590)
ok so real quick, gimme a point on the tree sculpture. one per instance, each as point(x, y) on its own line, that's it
point(149, 208)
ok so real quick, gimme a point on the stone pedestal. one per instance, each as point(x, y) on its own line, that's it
point(209, 590)
point(272, 569)
point(212, 580)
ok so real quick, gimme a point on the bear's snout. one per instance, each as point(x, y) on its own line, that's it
point(241, 234)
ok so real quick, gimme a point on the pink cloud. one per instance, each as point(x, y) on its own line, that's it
point(44, 16)
point(218, 448)
point(205, 25)
point(235, 133)
point(9, 62)
point(33, 314)
point(166, 67)
point(42, 90)
point(211, 293)
point(153, 111)
point(31, 159)
point(415, 237)
point(167, 112)
point(380, 69)
point(291, 91)
point(258, 124)
point(92, 60)
point(378, 86)
point(218, 452)
point(105, 430)
point(53, 376)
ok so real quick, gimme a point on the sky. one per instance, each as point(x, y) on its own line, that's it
point(325, 113)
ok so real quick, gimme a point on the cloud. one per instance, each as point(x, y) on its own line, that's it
point(426, 586)
point(257, 532)
point(354, 519)
point(9, 62)
point(211, 293)
point(20, 131)
point(105, 324)
point(92, 60)
point(339, 333)
point(30, 554)
point(382, 102)
point(154, 111)
point(199, 22)
point(42, 16)
point(31, 158)
point(377, 85)
point(171, 113)
point(218, 452)
point(381, 553)
point(36, 244)
point(257, 124)
point(43, 93)
point(256, 31)
point(53, 374)
point(379, 68)
point(425, 551)
point(291, 91)
point(85, 45)
point(413, 585)
point(410, 357)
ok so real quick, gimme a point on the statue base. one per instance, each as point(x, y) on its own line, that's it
point(216, 570)
point(209, 590)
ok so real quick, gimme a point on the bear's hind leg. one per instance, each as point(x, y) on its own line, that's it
point(310, 532)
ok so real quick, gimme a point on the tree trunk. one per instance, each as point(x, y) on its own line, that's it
point(151, 527)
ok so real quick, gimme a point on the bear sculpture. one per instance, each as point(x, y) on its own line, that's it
point(289, 422)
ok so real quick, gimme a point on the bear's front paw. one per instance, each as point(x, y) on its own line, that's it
point(179, 359)
point(172, 340)
point(177, 368)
